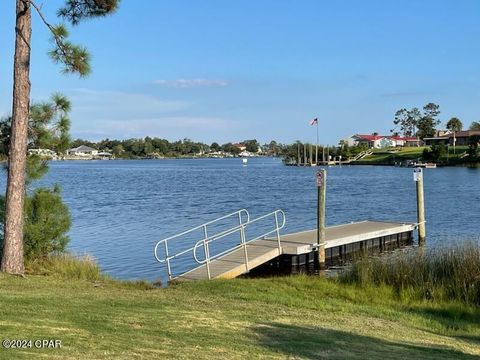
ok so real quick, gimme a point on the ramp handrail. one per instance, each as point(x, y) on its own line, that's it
point(167, 259)
point(243, 242)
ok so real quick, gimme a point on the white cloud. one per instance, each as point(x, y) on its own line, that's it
point(91, 104)
point(115, 114)
point(192, 83)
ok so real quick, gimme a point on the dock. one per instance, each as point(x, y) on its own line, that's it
point(257, 247)
point(326, 162)
point(288, 253)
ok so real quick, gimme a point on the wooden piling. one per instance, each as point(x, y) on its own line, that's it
point(321, 197)
point(418, 177)
point(304, 154)
point(298, 154)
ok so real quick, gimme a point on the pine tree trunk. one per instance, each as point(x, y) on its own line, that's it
point(12, 260)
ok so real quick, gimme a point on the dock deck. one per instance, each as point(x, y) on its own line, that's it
point(261, 251)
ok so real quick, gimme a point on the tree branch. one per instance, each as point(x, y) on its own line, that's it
point(59, 42)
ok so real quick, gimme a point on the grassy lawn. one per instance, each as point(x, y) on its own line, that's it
point(293, 317)
point(385, 156)
point(390, 156)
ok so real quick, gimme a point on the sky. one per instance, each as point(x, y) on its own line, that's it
point(229, 70)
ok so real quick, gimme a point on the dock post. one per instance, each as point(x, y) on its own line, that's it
point(304, 154)
point(321, 195)
point(418, 177)
point(298, 153)
point(311, 154)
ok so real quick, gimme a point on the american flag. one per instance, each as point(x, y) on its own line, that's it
point(314, 121)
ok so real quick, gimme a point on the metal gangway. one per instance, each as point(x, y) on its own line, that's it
point(232, 260)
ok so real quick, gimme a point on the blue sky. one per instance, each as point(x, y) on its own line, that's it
point(217, 70)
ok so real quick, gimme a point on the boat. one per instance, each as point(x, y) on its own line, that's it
point(244, 161)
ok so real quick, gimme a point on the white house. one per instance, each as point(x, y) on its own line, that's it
point(381, 141)
point(83, 151)
point(104, 155)
point(246, 153)
point(43, 152)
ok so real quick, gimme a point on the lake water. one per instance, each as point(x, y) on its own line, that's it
point(120, 209)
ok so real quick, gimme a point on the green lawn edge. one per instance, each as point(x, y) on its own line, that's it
point(400, 155)
point(302, 317)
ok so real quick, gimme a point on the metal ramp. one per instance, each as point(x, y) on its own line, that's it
point(361, 155)
point(257, 241)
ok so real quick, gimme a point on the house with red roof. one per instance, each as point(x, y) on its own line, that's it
point(383, 141)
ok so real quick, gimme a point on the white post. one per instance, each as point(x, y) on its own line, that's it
point(168, 262)
point(207, 253)
point(242, 235)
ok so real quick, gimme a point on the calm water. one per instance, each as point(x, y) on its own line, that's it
point(121, 208)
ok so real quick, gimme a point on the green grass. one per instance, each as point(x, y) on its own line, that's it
point(292, 317)
point(387, 157)
point(384, 156)
point(66, 266)
point(443, 274)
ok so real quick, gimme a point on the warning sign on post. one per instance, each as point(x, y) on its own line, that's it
point(417, 173)
point(320, 178)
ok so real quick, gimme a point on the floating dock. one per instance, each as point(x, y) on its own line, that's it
point(291, 253)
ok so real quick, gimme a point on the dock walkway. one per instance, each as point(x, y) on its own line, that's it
point(258, 252)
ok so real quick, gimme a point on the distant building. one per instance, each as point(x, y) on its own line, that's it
point(382, 141)
point(104, 155)
point(461, 138)
point(82, 151)
point(246, 153)
point(43, 152)
point(240, 147)
point(405, 141)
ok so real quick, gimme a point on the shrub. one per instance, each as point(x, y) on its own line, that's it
point(473, 142)
point(435, 153)
point(66, 266)
point(47, 221)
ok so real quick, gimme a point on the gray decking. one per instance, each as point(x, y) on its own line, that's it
point(260, 251)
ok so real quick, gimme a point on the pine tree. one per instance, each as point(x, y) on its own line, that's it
point(75, 59)
point(47, 218)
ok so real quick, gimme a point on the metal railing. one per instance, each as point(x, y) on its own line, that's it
point(207, 240)
point(362, 154)
point(168, 257)
point(243, 242)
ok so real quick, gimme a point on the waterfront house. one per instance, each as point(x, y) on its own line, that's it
point(82, 151)
point(240, 147)
point(382, 141)
point(246, 153)
point(104, 155)
point(405, 141)
point(461, 138)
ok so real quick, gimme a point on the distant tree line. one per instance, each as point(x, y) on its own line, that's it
point(158, 147)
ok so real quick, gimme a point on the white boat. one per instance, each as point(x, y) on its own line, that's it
point(244, 161)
